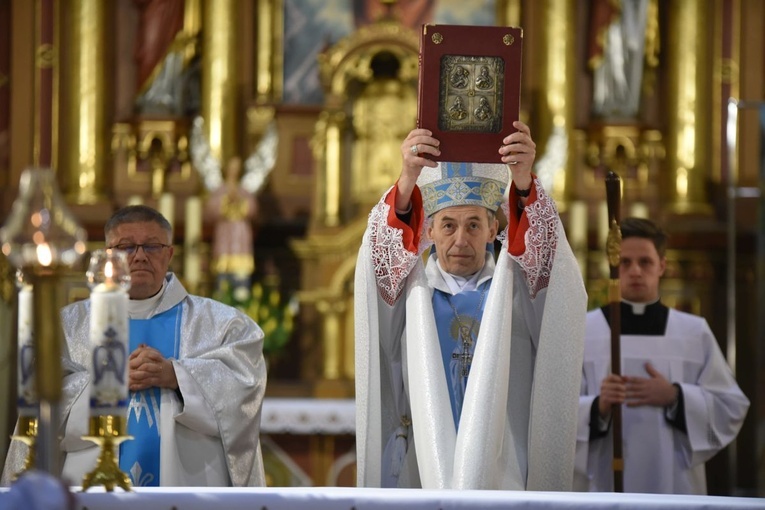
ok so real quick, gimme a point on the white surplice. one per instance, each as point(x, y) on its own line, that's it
point(659, 458)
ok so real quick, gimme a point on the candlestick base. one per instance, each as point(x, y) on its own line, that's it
point(27, 435)
point(107, 432)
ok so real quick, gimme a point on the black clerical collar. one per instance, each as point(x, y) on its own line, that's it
point(652, 321)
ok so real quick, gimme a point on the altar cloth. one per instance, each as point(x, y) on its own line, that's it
point(344, 498)
point(308, 416)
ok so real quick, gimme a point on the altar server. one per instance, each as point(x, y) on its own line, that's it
point(681, 402)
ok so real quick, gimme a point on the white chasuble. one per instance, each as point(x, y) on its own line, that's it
point(517, 428)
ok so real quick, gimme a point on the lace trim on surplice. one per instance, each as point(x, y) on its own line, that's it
point(392, 262)
point(541, 241)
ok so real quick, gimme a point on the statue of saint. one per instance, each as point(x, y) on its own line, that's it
point(161, 67)
point(622, 46)
point(232, 210)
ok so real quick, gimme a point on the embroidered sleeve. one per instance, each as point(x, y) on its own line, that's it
point(532, 238)
point(394, 246)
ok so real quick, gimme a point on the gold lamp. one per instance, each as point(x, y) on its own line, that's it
point(42, 238)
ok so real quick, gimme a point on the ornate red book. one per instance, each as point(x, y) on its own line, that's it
point(470, 88)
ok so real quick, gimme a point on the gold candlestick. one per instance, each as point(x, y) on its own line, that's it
point(28, 435)
point(107, 431)
point(109, 279)
point(42, 237)
point(49, 337)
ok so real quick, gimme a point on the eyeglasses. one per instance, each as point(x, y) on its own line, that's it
point(148, 248)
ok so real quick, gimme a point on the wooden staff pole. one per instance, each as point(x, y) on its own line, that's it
point(613, 250)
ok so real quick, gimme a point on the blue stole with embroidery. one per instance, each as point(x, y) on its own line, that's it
point(139, 457)
point(451, 331)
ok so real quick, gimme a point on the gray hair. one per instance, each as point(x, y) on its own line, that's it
point(138, 214)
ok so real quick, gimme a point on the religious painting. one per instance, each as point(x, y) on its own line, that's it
point(312, 26)
point(623, 53)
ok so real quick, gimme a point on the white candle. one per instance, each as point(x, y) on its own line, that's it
point(192, 238)
point(167, 207)
point(27, 390)
point(109, 344)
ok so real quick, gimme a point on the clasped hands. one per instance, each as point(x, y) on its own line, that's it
point(634, 391)
point(148, 368)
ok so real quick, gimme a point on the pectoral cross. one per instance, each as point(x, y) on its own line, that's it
point(466, 359)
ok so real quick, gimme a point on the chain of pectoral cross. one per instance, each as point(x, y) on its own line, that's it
point(466, 336)
point(466, 359)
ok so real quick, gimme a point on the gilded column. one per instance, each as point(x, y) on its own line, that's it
point(688, 138)
point(331, 310)
point(558, 97)
point(328, 151)
point(84, 144)
point(509, 12)
point(219, 53)
point(270, 65)
point(192, 24)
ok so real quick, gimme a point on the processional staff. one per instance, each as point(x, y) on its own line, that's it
point(613, 250)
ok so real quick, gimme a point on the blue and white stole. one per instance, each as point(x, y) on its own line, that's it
point(452, 328)
point(139, 457)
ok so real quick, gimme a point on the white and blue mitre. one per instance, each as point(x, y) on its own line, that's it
point(451, 184)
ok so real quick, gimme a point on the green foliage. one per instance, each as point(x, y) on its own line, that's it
point(264, 304)
point(275, 318)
